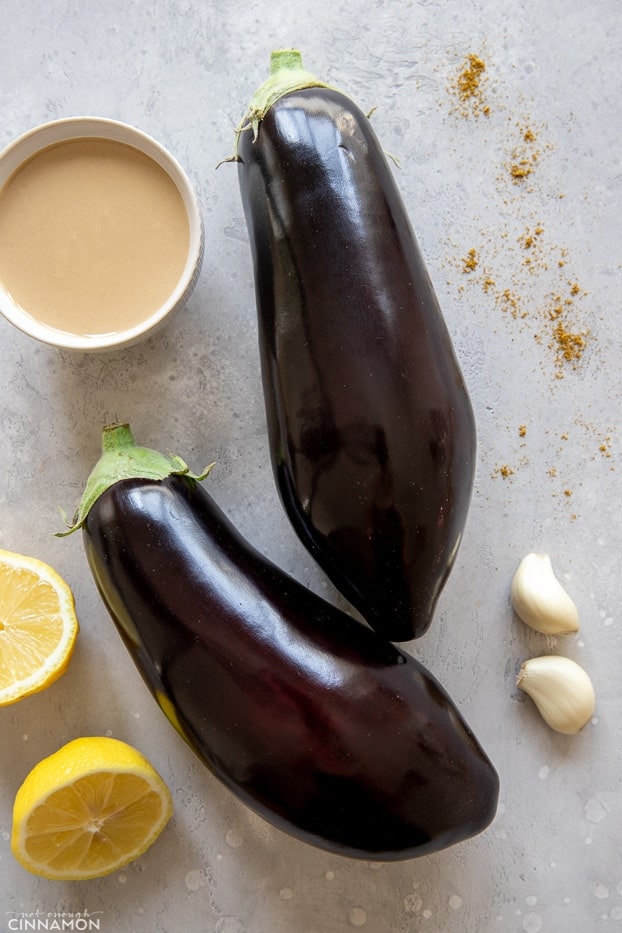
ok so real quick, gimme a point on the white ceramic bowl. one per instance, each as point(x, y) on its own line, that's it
point(48, 134)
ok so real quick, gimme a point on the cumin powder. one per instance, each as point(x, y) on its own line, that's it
point(570, 346)
point(469, 263)
point(468, 86)
point(470, 77)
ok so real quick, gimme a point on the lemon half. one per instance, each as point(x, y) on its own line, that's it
point(38, 626)
point(87, 810)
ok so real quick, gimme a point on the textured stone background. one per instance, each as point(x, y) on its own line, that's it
point(183, 72)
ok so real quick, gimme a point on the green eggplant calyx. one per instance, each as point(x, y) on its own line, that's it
point(123, 459)
point(286, 75)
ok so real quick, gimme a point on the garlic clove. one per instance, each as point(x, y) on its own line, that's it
point(539, 599)
point(561, 690)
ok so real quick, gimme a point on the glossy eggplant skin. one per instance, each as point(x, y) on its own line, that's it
point(372, 433)
point(329, 732)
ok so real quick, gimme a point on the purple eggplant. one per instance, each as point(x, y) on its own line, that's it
point(372, 434)
point(331, 733)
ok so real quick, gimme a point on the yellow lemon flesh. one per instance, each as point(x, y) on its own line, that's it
point(38, 626)
point(90, 808)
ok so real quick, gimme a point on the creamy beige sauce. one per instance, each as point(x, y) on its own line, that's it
point(93, 236)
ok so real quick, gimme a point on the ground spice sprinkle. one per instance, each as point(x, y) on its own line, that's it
point(468, 86)
point(524, 156)
point(470, 261)
point(470, 76)
point(570, 346)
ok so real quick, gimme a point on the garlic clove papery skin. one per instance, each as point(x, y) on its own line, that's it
point(539, 599)
point(562, 691)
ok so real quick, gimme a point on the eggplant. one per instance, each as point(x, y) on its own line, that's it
point(372, 434)
point(326, 730)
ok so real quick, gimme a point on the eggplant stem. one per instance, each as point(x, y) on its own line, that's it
point(121, 459)
point(286, 76)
